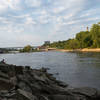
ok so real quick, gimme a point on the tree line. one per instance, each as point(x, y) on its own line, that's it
point(83, 39)
point(28, 48)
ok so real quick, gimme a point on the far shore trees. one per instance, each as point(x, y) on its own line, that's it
point(27, 48)
point(83, 39)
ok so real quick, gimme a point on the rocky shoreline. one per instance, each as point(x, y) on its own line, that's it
point(25, 83)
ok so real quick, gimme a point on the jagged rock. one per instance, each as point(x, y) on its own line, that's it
point(60, 83)
point(24, 83)
point(13, 80)
point(5, 84)
point(63, 97)
point(86, 91)
point(27, 95)
point(43, 97)
point(18, 95)
point(57, 97)
point(3, 75)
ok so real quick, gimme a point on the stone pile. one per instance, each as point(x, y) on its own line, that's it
point(25, 83)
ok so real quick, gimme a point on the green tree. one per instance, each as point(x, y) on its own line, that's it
point(27, 48)
point(84, 39)
point(95, 33)
point(71, 44)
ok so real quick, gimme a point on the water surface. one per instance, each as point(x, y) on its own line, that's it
point(76, 69)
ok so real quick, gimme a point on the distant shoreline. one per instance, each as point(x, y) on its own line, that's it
point(63, 50)
point(79, 50)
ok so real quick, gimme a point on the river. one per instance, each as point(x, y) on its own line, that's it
point(76, 69)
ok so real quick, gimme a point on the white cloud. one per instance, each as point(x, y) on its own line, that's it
point(38, 20)
point(13, 4)
point(92, 19)
point(3, 5)
point(19, 16)
point(29, 21)
point(43, 19)
point(33, 3)
point(59, 9)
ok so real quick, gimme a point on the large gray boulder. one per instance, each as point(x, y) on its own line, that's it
point(86, 91)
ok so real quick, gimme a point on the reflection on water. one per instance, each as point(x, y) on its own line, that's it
point(76, 69)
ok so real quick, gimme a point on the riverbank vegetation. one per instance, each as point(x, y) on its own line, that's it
point(83, 39)
point(3, 50)
point(29, 48)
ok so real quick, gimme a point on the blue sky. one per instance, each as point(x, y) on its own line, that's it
point(32, 22)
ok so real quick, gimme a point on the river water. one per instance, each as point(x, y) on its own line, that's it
point(76, 69)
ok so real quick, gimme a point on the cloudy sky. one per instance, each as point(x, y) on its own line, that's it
point(31, 22)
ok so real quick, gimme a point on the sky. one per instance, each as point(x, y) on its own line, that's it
point(32, 22)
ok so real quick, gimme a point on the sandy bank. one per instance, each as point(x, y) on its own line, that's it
point(79, 50)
